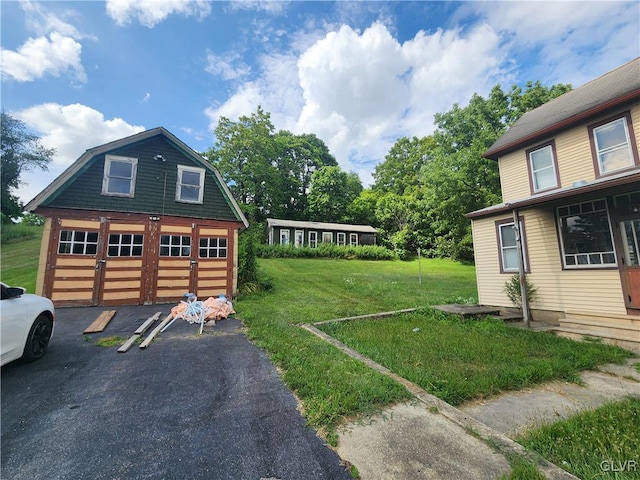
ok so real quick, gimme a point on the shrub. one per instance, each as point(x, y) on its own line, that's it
point(513, 291)
point(326, 250)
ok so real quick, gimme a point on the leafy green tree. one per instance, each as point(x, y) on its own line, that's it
point(458, 179)
point(362, 210)
point(298, 157)
point(20, 151)
point(400, 170)
point(332, 190)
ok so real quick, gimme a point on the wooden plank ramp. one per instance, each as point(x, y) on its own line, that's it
point(139, 332)
point(100, 323)
point(155, 331)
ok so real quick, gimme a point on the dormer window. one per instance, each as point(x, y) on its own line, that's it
point(190, 187)
point(613, 145)
point(543, 167)
point(119, 176)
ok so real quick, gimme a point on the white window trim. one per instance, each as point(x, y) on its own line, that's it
point(351, 239)
point(552, 167)
point(599, 151)
point(288, 235)
point(342, 242)
point(105, 177)
point(581, 266)
point(184, 168)
point(313, 243)
point(324, 234)
point(502, 248)
point(298, 238)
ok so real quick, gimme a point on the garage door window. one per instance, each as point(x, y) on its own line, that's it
point(76, 242)
point(213, 247)
point(175, 246)
point(125, 245)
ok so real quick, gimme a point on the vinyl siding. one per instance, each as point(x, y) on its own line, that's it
point(575, 161)
point(595, 290)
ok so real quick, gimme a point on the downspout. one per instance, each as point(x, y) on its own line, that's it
point(521, 273)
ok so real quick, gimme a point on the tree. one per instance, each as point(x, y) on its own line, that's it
point(458, 179)
point(20, 151)
point(268, 172)
point(400, 170)
point(332, 190)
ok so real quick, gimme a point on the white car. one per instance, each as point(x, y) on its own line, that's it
point(26, 325)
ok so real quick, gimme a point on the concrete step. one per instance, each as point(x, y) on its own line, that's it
point(600, 325)
point(619, 335)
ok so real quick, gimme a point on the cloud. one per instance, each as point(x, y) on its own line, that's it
point(146, 98)
point(70, 129)
point(151, 12)
point(361, 91)
point(574, 41)
point(43, 21)
point(268, 6)
point(37, 57)
point(229, 66)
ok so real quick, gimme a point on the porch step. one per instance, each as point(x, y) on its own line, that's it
point(630, 325)
point(628, 342)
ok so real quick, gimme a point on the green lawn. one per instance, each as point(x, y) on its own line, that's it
point(459, 361)
point(19, 256)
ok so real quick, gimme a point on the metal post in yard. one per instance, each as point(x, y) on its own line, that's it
point(521, 273)
point(419, 268)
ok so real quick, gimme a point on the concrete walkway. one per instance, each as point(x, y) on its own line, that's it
point(430, 439)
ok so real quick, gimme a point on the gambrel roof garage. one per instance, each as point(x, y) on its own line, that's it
point(139, 220)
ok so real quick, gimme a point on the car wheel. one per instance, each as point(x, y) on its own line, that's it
point(38, 339)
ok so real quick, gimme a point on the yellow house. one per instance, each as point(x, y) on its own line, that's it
point(570, 174)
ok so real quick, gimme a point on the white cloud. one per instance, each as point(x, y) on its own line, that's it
point(361, 91)
point(575, 41)
point(146, 98)
point(43, 21)
point(40, 56)
point(268, 6)
point(229, 66)
point(70, 129)
point(151, 12)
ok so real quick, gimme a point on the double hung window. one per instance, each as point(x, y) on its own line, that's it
point(542, 168)
point(119, 176)
point(612, 145)
point(508, 246)
point(190, 188)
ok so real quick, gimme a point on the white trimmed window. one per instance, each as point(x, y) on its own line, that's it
point(213, 247)
point(542, 165)
point(125, 245)
point(585, 235)
point(509, 247)
point(190, 188)
point(284, 237)
point(353, 239)
point(119, 177)
point(313, 239)
point(327, 237)
point(77, 242)
point(342, 239)
point(612, 146)
point(175, 246)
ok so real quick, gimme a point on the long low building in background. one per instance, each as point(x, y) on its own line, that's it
point(310, 234)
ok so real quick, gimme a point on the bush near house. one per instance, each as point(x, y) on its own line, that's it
point(327, 250)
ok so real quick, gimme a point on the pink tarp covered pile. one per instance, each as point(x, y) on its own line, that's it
point(214, 308)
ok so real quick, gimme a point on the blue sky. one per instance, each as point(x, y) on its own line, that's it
point(359, 75)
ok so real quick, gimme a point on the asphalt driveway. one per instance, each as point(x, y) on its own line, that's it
point(187, 407)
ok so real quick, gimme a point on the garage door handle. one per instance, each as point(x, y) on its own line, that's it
point(100, 262)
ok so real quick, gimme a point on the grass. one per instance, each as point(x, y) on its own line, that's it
point(19, 255)
point(469, 360)
point(599, 444)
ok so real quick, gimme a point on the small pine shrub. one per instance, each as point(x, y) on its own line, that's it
point(512, 289)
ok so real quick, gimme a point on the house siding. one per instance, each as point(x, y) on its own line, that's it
point(585, 290)
point(155, 187)
point(575, 160)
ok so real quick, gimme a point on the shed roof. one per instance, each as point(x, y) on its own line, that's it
point(275, 222)
point(51, 190)
point(612, 89)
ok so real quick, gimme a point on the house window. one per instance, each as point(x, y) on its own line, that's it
point(284, 237)
point(213, 247)
point(342, 239)
point(75, 242)
point(313, 239)
point(543, 171)
point(508, 246)
point(631, 241)
point(190, 188)
point(612, 145)
point(585, 234)
point(119, 177)
point(327, 237)
point(353, 239)
point(175, 246)
point(125, 245)
point(299, 238)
